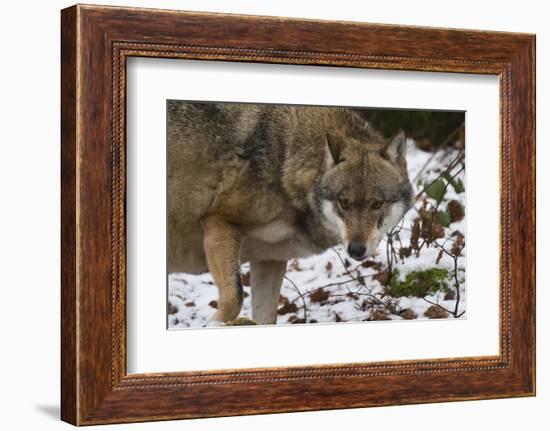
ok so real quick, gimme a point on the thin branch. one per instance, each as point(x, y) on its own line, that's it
point(443, 143)
point(300, 295)
point(438, 305)
point(344, 263)
point(451, 166)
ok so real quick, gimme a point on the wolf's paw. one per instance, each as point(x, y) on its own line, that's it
point(214, 324)
point(241, 321)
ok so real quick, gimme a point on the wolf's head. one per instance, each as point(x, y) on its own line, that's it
point(365, 189)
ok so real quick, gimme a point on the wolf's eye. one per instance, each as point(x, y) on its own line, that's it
point(344, 203)
point(376, 205)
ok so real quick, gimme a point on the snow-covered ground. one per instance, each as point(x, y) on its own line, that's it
point(331, 287)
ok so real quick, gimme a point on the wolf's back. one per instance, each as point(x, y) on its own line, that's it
point(214, 149)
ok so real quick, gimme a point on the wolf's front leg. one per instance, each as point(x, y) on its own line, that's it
point(222, 244)
point(266, 278)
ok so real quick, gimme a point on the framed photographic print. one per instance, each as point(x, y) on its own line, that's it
point(265, 215)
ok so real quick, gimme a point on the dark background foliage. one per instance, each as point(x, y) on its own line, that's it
point(431, 130)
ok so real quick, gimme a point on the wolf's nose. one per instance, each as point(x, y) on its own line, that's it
point(357, 250)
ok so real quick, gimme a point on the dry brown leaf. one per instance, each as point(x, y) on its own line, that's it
point(435, 312)
point(378, 315)
point(408, 314)
point(383, 277)
point(245, 279)
point(287, 308)
point(319, 295)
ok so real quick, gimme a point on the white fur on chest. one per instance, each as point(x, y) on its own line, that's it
point(273, 232)
point(254, 249)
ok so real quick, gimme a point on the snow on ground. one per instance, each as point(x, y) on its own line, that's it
point(331, 287)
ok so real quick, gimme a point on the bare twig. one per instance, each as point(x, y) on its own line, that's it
point(442, 144)
point(451, 166)
point(455, 276)
point(300, 295)
point(344, 265)
point(439, 305)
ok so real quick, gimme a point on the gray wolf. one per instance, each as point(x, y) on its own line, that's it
point(267, 183)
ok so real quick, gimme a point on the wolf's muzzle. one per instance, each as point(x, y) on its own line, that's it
point(357, 250)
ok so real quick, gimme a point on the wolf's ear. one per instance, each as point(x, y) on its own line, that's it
point(396, 149)
point(333, 149)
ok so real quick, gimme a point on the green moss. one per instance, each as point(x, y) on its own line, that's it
point(419, 283)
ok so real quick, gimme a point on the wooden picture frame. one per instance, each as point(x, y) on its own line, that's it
point(95, 43)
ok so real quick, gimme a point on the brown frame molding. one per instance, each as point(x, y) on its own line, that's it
point(95, 43)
